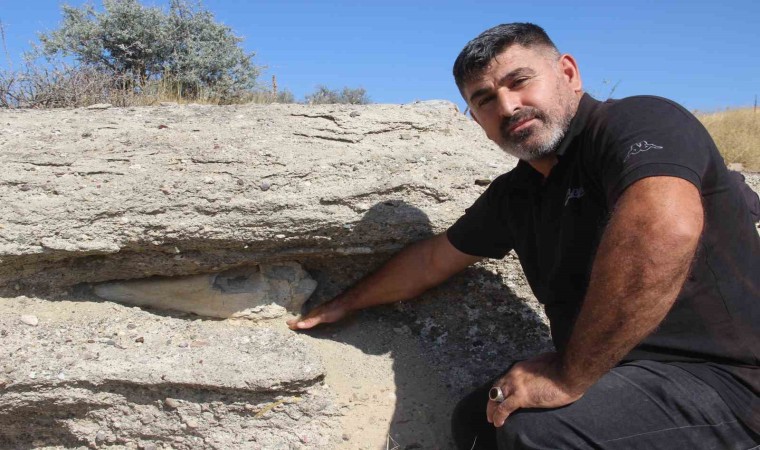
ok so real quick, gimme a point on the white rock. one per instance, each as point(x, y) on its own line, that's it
point(30, 320)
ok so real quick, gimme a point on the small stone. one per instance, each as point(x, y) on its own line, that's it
point(131, 326)
point(162, 126)
point(346, 437)
point(87, 134)
point(100, 436)
point(183, 345)
point(280, 236)
point(406, 136)
point(355, 114)
point(30, 320)
point(208, 180)
point(482, 181)
point(265, 185)
point(171, 403)
point(191, 423)
point(32, 375)
point(140, 340)
point(100, 106)
point(110, 342)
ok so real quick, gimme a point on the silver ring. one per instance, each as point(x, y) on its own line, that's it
point(496, 394)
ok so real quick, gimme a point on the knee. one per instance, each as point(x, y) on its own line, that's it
point(529, 429)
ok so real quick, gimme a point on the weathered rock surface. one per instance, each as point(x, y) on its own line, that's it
point(100, 195)
point(87, 376)
point(123, 196)
point(252, 292)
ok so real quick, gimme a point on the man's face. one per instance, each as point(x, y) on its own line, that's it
point(525, 99)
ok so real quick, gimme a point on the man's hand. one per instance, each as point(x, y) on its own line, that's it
point(329, 312)
point(534, 383)
point(408, 274)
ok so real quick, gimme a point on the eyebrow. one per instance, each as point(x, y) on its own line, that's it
point(511, 75)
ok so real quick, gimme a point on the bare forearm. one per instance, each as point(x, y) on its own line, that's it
point(408, 274)
point(640, 266)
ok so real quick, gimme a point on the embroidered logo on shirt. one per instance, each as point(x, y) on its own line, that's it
point(574, 193)
point(640, 147)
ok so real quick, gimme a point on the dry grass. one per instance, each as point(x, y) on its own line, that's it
point(737, 134)
point(65, 86)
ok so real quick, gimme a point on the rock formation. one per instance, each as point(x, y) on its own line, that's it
point(132, 203)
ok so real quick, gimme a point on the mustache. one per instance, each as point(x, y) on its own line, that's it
point(526, 113)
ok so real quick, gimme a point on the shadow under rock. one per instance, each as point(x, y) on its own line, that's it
point(463, 333)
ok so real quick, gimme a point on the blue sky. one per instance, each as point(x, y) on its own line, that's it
point(703, 54)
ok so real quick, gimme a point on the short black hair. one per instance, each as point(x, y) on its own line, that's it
point(478, 53)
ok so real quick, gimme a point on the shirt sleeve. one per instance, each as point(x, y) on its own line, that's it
point(649, 136)
point(482, 230)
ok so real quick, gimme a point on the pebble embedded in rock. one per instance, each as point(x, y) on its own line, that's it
point(30, 320)
point(405, 136)
point(100, 436)
point(482, 181)
point(100, 106)
point(191, 423)
point(171, 403)
point(265, 185)
point(355, 114)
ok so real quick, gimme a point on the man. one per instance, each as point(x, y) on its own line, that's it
point(636, 240)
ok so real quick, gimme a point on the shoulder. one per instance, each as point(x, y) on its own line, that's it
point(641, 111)
point(521, 176)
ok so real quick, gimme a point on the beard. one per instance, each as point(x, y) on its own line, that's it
point(538, 139)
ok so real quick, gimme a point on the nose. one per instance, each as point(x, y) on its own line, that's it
point(509, 102)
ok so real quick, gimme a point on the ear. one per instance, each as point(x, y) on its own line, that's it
point(570, 71)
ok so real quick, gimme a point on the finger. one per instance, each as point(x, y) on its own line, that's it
point(504, 410)
point(305, 322)
point(491, 410)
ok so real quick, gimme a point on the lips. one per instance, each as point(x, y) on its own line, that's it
point(520, 125)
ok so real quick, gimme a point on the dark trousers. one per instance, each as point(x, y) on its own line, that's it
point(640, 405)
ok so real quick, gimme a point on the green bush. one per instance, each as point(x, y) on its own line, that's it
point(348, 96)
point(183, 47)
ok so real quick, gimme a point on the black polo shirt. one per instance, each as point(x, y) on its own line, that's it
point(554, 227)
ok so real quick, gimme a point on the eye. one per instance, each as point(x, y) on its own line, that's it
point(485, 100)
point(517, 82)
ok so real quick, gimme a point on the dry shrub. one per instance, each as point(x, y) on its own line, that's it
point(66, 86)
point(737, 135)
